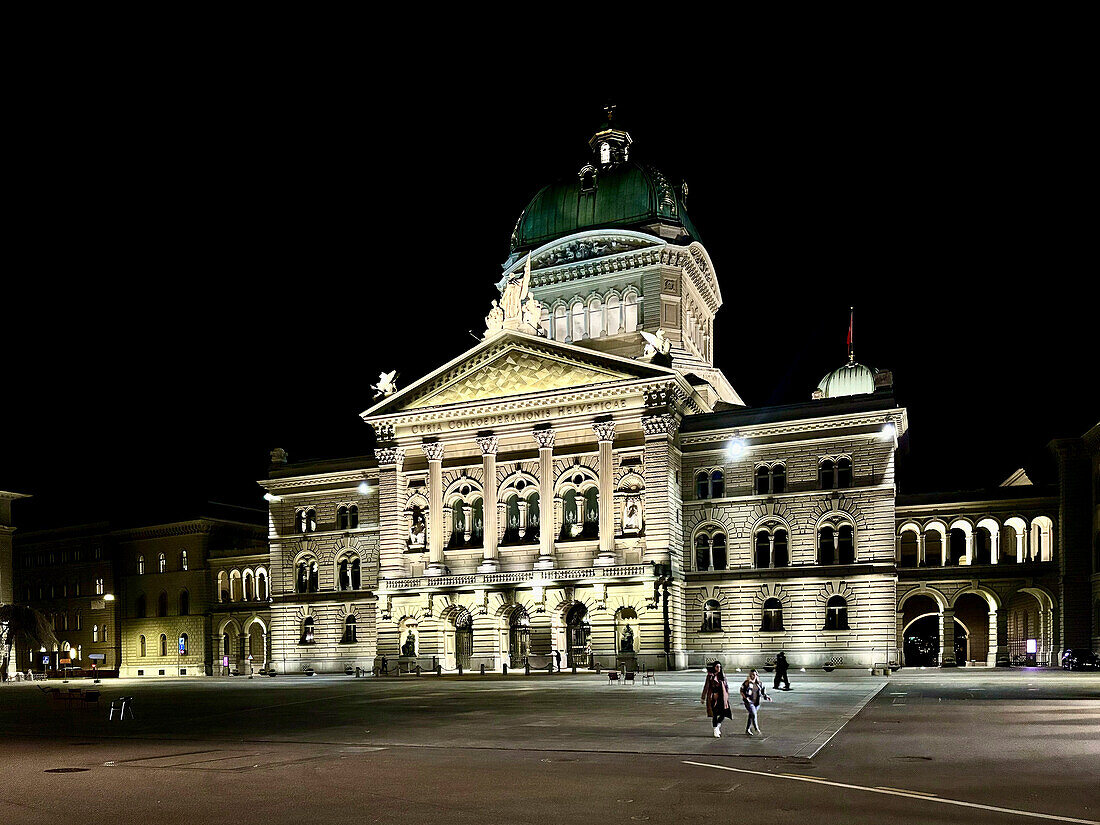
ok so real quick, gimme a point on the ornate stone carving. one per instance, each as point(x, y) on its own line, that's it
point(278, 456)
point(383, 432)
point(391, 455)
point(434, 450)
point(666, 424)
point(488, 444)
point(605, 430)
point(545, 438)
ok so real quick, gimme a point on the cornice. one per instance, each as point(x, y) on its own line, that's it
point(798, 426)
point(353, 477)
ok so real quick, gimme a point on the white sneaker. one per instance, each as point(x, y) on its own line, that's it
point(748, 732)
point(718, 732)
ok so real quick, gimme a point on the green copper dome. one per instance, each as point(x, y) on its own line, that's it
point(851, 379)
point(612, 191)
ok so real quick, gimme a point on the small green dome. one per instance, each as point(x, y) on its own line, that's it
point(851, 379)
point(625, 195)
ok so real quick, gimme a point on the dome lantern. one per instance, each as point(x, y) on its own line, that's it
point(610, 145)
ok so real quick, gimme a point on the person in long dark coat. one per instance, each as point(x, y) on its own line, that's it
point(716, 698)
point(781, 672)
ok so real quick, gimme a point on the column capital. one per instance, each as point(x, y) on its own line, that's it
point(605, 430)
point(545, 438)
point(488, 444)
point(390, 455)
point(662, 424)
point(434, 450)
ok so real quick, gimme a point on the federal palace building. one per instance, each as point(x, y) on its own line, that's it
point(586, 481)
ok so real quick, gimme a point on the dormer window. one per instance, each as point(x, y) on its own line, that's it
point(588, 178)
point(605, 153)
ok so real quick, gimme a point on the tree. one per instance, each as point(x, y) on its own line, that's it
point(26, 626)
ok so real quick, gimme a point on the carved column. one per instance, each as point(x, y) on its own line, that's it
point(1019, 547)
point(605, 435)
point(545, 439)
point(489, 445)
point(922, 550)
point(663, 536)
point(995, 547)
point(434, 451)
point(391, 515)
point(969, 548)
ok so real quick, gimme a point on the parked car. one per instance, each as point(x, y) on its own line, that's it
point(1080, 659)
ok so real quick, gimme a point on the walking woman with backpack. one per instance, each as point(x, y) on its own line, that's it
point(716, 698)
point(752, 691)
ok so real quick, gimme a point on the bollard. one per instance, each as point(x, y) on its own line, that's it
point(439, 670)
point(504, 668)
point(482, 668)
point(574, 670)
point(597, 668)
point(418, 670)
point(550, 667)
point(460, 668)
point(526, 668)
point(357, 672)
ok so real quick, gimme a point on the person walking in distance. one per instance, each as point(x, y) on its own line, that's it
point(557, 660)
point(716, 698)
point(752, 691)
point(781, 672)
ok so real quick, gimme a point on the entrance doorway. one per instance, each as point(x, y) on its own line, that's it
point(464, 639)
point(578, 631)
point(922, 642)
point(519, 637)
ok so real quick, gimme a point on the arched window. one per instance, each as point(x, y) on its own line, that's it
point(614, 315)
point(772, 619)
point(341, 518)
point(261, 584)
point(162, 604)
point(779, 479)
point(95, 633)
point(771, 547)
point(702, 485)
point(826, 545)
point(305, 521)
point(183, 644)
point(718, 551)
point(162, 563)
point(99, 587)
point(185, 603)
point(249, 586)
point(605, 153)
point(79, 622)
point(826, 474)
point(163, 645)
point(710, 549)
point(595, 318)
point(307, 631)
point(836, 613)
point(64, 621)
point(843, 473)
point(846, 544)
point(561, 323)
point(349, 631)
point(702, 552)
point(717, 484)
point(348, 572)
point(576, 327)
point(141, 565)
point(141, 646)
point(630, 312)
point(140, 609)
point(353, 516)
point(763, 481)
point(183, 559)
point(712, 617)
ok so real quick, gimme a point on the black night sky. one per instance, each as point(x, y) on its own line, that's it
point(224, 266)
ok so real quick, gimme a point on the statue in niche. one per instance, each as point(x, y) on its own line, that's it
point(632, 515)
point(627, 643)
point(418, 531)
point(409, 648)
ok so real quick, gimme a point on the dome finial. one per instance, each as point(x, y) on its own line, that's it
point(610, 110)
point(851, 321)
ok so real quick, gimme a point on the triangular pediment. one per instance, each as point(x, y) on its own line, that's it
point(513, 364)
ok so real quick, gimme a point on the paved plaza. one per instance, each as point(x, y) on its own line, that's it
point(933, 746)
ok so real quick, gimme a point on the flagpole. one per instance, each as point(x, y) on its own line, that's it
point(851, 324)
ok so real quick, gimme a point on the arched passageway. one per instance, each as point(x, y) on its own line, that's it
point(972, 630)
point(921, 619)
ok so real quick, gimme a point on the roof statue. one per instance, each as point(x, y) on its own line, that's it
point(386, 385)
point(518, 309)
point(656, 343)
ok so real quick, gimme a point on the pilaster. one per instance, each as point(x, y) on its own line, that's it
point(489, 445)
